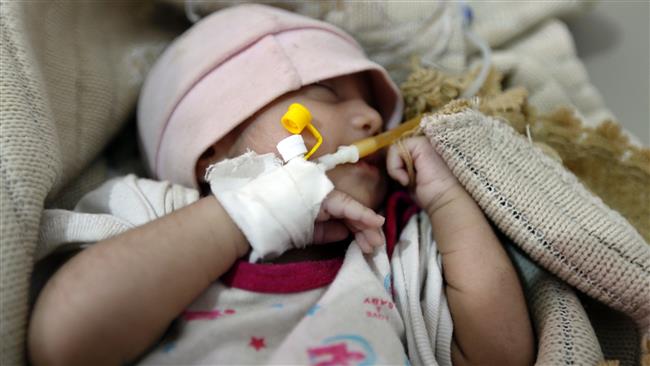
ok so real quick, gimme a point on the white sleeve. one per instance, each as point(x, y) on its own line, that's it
point(116, 206)
point(419, 294)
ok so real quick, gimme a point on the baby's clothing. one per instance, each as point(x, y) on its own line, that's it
point(117, 205)
point(361, 309)
point(353, 319)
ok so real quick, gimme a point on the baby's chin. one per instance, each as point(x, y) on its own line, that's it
point(366, 187)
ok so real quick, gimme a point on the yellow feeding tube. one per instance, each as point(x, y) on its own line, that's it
point(371, 144)
point(367, 146)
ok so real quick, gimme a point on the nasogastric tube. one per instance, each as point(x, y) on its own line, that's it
point(364, 147)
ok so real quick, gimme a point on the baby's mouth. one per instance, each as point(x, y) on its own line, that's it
point(373, 161)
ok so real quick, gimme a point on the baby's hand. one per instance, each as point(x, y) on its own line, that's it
point(433, 179)
point(341, 215)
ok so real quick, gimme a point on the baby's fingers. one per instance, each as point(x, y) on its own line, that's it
point(341, 206)
point(369, 239)
point(362, 221)
point(362, 242)
point(330, 232)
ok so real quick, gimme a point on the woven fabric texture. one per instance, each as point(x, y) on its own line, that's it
point(564, 333)
point(543, 208)
point(603, 157)
point(70, 76)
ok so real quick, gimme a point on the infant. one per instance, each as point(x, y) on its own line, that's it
point(217, 93)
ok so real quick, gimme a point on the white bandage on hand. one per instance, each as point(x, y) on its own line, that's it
point(274, 205)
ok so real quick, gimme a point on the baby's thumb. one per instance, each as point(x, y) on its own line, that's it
point(396, 167)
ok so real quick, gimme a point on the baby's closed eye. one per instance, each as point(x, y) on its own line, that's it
point(322, 92)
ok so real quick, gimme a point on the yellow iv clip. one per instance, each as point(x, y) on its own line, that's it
point(296, 119)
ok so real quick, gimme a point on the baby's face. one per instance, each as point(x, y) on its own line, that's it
point(341, 111)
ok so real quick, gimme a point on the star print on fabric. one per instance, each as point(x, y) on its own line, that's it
point(312, 310)
point(257, 343)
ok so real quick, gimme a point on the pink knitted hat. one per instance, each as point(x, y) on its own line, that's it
point(230, 65)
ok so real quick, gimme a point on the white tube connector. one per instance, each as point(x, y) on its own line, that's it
point(344, 154)
point(291, 147)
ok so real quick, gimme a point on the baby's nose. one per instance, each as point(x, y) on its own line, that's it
point(367, 120)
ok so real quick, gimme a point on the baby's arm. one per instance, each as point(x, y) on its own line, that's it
point(114, 299)
point(491, 323)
